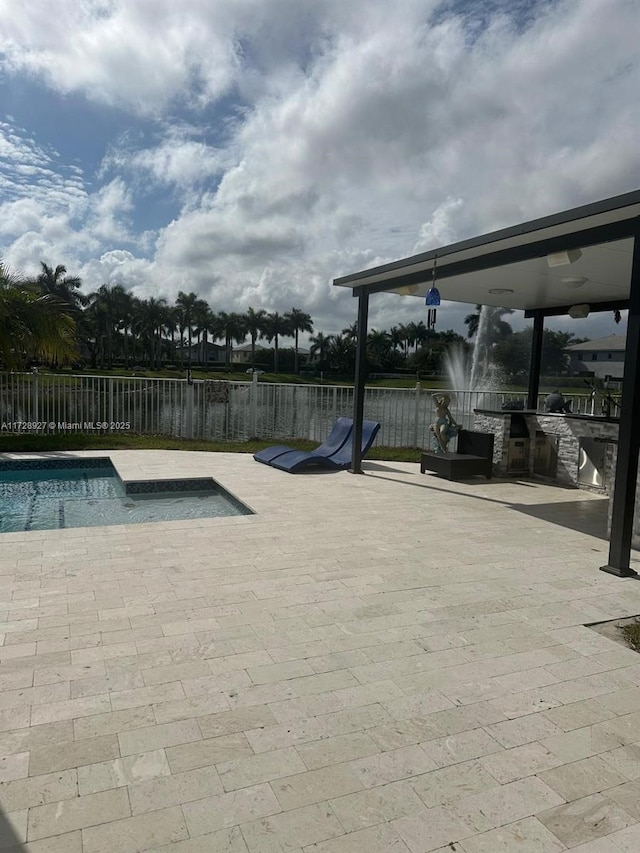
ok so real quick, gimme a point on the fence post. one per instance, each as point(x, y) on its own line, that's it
point(416, 416)
point(110, 403)
point(253, 404)
point(36, 410)
point(189, 409)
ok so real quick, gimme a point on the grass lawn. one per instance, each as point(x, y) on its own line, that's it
point(12, 443)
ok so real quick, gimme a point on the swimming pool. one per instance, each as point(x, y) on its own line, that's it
point(58, 493)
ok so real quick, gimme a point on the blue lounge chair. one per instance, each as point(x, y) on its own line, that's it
point(339, 435)
point(296, 460)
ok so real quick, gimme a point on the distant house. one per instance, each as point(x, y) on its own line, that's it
point(264, 355)
point(211, 354)
point(242, 354)
point(602, 358)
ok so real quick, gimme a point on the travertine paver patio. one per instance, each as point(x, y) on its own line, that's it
point(377, 663)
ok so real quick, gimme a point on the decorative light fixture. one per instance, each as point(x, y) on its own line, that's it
point(574, 281)
point(432, 299)
point(561, 259)
point(579, 312)
point(499, 291)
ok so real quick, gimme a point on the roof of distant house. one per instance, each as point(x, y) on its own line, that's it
point(247, 348)
point(612, 343)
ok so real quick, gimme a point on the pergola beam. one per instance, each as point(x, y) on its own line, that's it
point(594, 308)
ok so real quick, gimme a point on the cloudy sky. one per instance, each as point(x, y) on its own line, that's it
point(253, 150)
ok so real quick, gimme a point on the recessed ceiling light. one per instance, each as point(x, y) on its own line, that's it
point(501, 290)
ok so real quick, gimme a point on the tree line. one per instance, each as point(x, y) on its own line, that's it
point(47, 319)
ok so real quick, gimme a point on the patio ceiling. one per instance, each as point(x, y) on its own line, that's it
point(511, 268)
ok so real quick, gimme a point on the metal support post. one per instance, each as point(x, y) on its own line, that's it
point(536, 361)
point(358, 391)
point(624, 491)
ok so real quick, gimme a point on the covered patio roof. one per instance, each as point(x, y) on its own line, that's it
point(589, 255)
point(582, 255)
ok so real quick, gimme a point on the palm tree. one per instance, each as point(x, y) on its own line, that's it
point(65, 287)
point(422, 334)
point(123, 303)
point(172, 325)
point(111, 309)
point(186, 302)
point(396, 337)
point(378, 346)
point(497, 328)
point(203, 319)
point(275, 326)
point(101, 312)
point(472, 321)
point(405, 331)
point(232, 328)
point(33, 325)
point(342, 354)
point(320, 345)
point(300, 322)
point(488, 328)
point(411, 332)
point(255, 323)
point(351, 331)
point(150, 323)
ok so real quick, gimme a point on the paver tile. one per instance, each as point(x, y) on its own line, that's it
point(464, 746)
point(525, 836)
point(67, 815)
point(201, 753)
point(376, 805)
point(382, 838)
point(498, 806)
point(37, 790)
point(227, 810)
point(432, 829)
point(316, 785)
point(584, 820)
point(136, 834)
point(297, 828)
point(335, 750)
point(74, 753)
point(222, 841)
point(14, 766)
point(113, 722)
point(122, 771)
point(157, 737)
point(70, 842)
point(170, 790)
point(581, 778)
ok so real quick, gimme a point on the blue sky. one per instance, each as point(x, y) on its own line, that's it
point(253, 150)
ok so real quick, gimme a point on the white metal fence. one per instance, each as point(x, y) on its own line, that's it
point(228, 411)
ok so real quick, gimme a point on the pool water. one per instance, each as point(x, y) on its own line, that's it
point(49, 494)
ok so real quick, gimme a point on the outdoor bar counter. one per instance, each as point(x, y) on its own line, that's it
point(571, 450)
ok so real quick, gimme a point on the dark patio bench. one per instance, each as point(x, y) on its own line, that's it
point(474, 456)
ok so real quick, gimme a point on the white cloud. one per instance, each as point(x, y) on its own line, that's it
point(346, 134)
point(140, 55)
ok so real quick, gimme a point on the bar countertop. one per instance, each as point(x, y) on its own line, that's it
point(534, 412)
